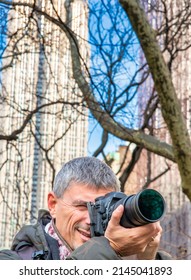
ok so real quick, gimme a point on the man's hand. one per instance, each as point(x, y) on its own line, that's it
point(151, 249)
point(131, 241)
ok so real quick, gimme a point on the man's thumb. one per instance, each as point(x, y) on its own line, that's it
point(116, 215)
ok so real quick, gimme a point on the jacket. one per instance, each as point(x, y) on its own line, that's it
point(33, 243)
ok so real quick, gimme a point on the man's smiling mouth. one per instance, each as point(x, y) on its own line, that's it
point(84, 232)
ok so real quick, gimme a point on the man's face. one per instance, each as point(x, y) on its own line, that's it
point(71, 213)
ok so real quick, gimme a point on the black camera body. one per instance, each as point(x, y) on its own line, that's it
point(147, 206)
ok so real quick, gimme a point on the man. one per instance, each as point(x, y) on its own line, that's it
point(63, 232)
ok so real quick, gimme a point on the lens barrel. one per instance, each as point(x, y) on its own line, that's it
point(147, 206)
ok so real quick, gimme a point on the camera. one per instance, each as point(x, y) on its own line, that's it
point(147, 206)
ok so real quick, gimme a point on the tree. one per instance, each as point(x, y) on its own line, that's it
point(170, 105)
point(102, 105)
point(179, 150)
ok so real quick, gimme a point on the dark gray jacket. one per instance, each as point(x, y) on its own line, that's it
point(32, 243)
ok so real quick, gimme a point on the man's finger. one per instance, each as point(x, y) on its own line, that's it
point(116, 216)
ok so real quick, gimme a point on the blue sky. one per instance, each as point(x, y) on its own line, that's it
point(115, 49)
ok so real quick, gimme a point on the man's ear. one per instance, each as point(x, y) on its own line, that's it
point(52, 201)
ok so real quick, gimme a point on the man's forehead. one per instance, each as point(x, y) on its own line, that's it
point(84, 193)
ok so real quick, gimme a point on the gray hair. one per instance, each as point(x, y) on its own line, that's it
point(89, 171)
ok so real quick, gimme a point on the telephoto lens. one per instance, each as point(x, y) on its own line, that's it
point(147, 206)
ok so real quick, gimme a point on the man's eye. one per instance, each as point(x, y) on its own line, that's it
point(82, 206)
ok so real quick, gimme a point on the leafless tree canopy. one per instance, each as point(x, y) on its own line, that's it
point(129, 83)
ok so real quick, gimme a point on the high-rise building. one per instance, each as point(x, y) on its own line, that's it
point(39, 96)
